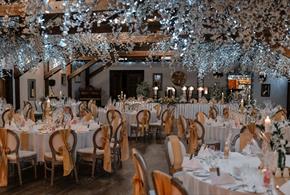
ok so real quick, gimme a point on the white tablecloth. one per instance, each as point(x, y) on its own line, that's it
point(203, 185)
point(187, 109)
point(220, 132)
point(39, 142)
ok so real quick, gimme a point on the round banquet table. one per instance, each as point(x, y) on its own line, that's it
point(130, 118)
point(38, 141)
point(196, 184)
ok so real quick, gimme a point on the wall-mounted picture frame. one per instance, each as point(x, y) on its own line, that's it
point(31, 83)
point(265, 90)
point(157, 80)
point(63, 79)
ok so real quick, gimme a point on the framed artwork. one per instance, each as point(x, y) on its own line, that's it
point(31, 89)
point(63, 79)
point(265, 90)
point(157, 80)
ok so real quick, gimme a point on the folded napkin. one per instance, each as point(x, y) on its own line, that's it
point(285, 188)
point(223, 179)
point(192, 164)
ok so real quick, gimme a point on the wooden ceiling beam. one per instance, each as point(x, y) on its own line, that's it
point(12, 10)
point(145, 54)
point(54, 7)
point(82, 68)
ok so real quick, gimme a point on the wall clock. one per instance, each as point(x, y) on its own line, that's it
point(178, 78)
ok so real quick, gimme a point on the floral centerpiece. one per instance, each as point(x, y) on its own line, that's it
point(278, 143)
point(167, 100)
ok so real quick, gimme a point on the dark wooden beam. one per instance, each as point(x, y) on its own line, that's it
point(52, 72)
point(97, 71)
point(82, 68)
point(103, 28)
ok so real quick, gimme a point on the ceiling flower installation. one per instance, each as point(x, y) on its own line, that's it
point(204, 35)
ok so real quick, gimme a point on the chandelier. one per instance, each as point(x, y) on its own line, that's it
point(201, 35)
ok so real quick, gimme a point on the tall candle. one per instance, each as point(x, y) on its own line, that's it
point(190, 92)
point(184, 91)
point(267, 124)
point(223, 97)
point(205, 90)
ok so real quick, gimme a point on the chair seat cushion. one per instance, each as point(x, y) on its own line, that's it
point(22, 154)
point(90, 150)
point(157, 123)
point(48, 156)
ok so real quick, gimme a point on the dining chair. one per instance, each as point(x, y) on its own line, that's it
point(82, 108)
point(141, 174)
point(167, 114)
point(201, 117)
point(213, 144)
point(55, 156)
point(159, 124)
point(182, 127)
point(164, 184)
point(90, 155)
point(7, 116)
point(142, 127)
point(213, 112)
point(114, 118)
point(115, 144)
point(170, 154)
point(17, 157)
point(235, 144)
point(27, 106)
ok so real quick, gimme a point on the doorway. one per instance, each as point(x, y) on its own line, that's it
point(126, 81)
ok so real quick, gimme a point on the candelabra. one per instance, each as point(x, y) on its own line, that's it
point(122, 100)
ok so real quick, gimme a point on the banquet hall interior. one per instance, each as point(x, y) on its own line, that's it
point(144, 97)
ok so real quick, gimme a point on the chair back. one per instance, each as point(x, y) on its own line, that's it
point(7, 116)
point(114, 118)
point(13, 142)
point(170, 154)
point(26, 108)
point(213, 112)
point(141, 168)
point(200, 131)
point(141, 115)
point(201, 117)
point(164, 184)
point(235, 144)
point(258, 131)
point(98, 138)
point(82, 107)
point(56, 142)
